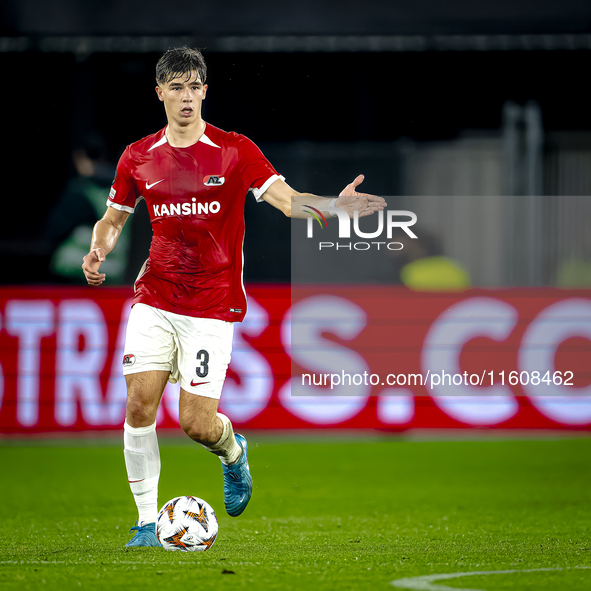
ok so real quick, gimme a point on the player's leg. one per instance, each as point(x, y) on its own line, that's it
point(140, 443)
point(150, 349)
point(198, 417)
point(204, 355)
point(200, 420)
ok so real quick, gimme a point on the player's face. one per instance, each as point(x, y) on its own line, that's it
point(182, 98)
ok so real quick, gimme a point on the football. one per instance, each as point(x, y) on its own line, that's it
point(187, 524)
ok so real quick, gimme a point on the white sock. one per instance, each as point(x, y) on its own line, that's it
point(142, 460)
point(226, 446)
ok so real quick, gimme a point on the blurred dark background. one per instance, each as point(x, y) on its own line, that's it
point(426, 99)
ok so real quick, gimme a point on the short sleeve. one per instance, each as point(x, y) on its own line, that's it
point(258, 172)
point(123, 195)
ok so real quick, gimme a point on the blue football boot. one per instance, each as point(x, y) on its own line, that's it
point(145, 535)
point(237, 482)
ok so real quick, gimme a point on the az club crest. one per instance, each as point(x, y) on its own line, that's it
point(213, 180)
point(128, 360)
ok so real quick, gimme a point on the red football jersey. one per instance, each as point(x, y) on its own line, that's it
point(195, 198)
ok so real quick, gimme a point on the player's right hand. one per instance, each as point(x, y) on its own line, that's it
point(350, 200)
point(91, 265)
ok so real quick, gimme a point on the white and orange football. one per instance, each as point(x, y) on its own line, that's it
point(187, 524)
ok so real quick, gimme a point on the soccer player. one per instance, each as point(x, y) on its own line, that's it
point(194, 178)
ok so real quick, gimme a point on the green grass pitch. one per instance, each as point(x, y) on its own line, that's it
point(328, 513)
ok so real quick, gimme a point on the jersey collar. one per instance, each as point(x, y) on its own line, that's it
point(204, 139)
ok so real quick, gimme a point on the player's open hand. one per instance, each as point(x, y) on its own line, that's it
point(91, 265)
point(350, 200)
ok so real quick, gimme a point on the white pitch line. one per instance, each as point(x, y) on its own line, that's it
point(423, 583)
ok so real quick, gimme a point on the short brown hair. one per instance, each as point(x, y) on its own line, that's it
point(178, 62)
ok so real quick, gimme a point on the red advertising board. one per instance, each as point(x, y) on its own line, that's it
point(333, 357)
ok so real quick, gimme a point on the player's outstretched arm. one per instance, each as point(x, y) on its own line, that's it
point(104, 237)
point(291, 202)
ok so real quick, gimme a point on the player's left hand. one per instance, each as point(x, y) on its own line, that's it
point(91, 264)
point(350, 200)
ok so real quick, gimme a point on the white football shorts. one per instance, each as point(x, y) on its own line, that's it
point(195, 350)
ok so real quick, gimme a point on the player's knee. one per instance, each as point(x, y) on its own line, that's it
point(143, 396)
point(139, 413)
point(198, 431)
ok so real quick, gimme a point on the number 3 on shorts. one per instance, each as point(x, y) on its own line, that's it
point(203, 368)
